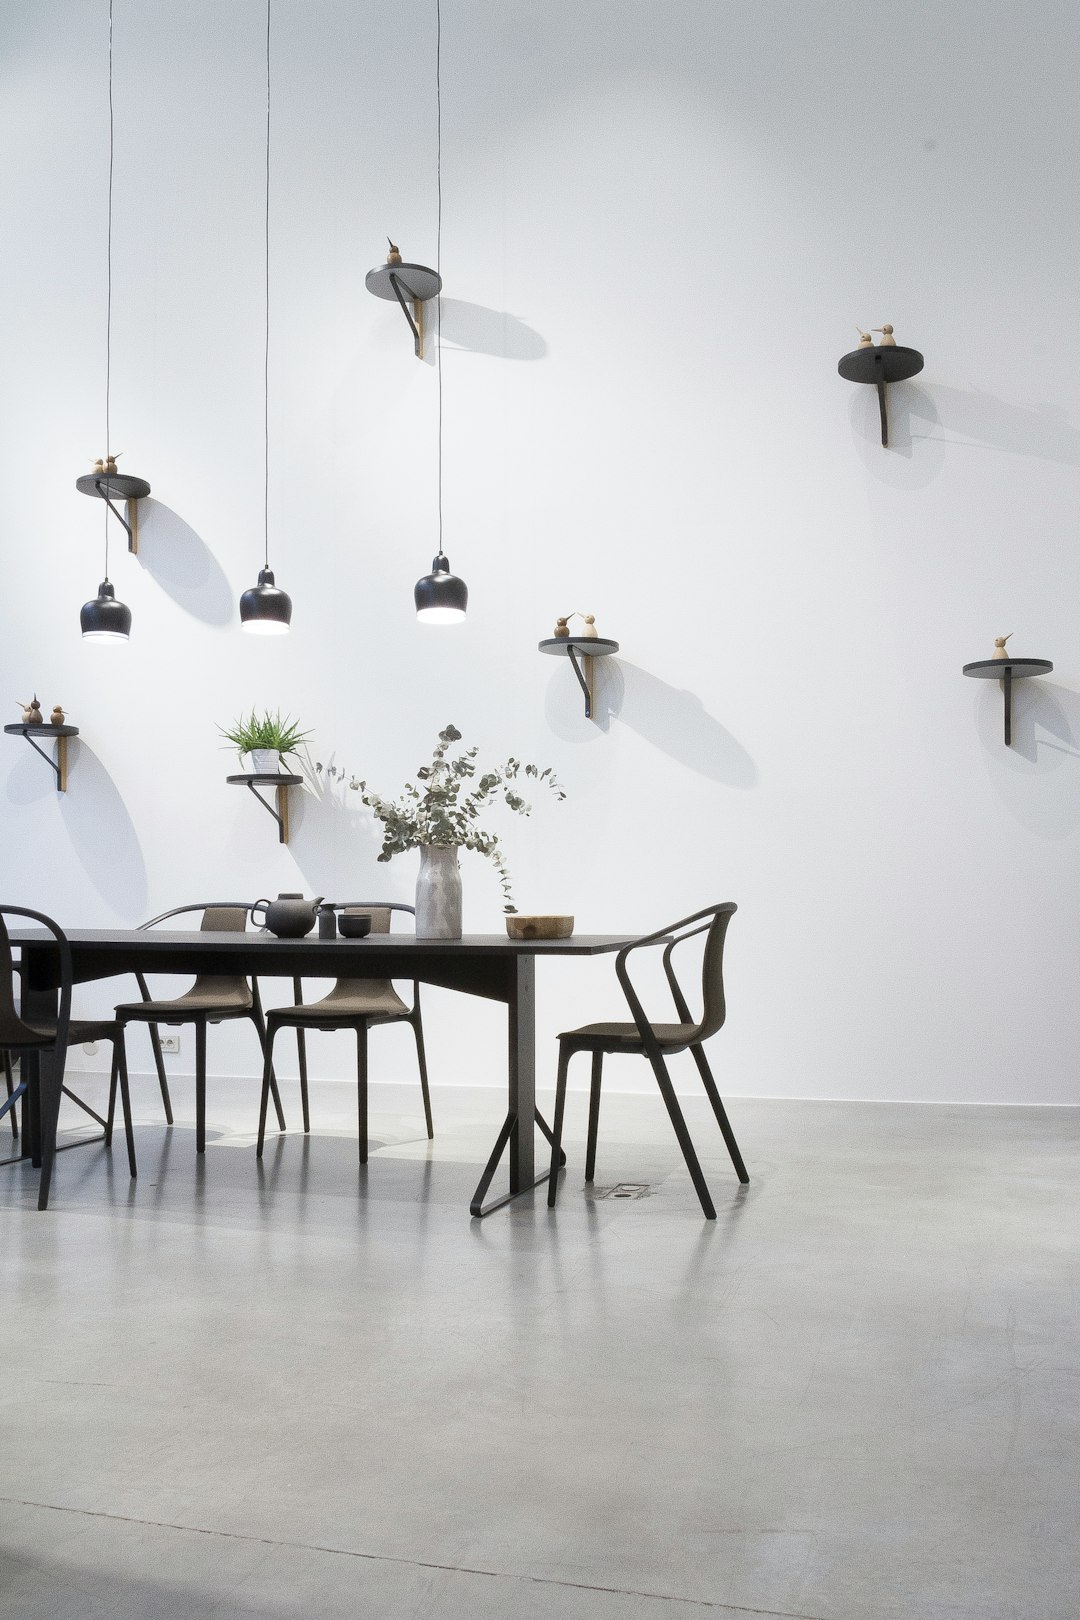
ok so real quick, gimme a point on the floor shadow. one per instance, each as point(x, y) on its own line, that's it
point(182, 564)
point(103, 835)
point(489, 331)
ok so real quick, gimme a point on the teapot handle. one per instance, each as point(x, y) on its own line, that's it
point(259, 905)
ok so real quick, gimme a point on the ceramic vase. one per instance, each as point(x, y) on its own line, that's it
point(438, 893)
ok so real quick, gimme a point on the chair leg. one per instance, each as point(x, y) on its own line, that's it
point(421, 1061)
point(301, 1056)
point(10, 1078)
point(110, 1112)
point(361, 1087)
point(594, 1114)
point(721, 1113)
point(159, 1065)
point(260, 1024)
point(556, 1124)
point(50, 1083)
point(671, 1102)
point(200, 1085)
point(268, 1069)
point(120, 1065)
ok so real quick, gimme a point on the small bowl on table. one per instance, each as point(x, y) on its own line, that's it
point(354, 924)
point(550, 927)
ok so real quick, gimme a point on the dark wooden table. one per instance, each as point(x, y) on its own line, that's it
point(488, 965)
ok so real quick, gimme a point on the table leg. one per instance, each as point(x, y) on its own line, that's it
point(521, 1077)
point(522, 1071)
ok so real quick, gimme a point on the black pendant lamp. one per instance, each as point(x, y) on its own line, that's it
point(105, 620)
point(440, 597)
point(264, 609)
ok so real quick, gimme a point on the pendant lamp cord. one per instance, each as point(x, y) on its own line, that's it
point(438, 238)
point(108, 285)
point(266, 345)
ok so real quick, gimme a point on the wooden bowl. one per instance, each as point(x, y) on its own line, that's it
point(519, 927)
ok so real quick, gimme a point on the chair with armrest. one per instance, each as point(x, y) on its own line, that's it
point(355, 1004)
point(658, 1042)
point(49, 1039)
point(214, 998)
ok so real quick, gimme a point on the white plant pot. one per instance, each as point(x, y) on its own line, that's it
point(263, 762)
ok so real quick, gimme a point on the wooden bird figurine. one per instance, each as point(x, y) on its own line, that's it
point(57, 716)
point(865, 340)
point(999, 645)
point(31, 712)
point(562, 628)
point(107, 464)
point(887, 339)
point(590, 625)
point(394, 255)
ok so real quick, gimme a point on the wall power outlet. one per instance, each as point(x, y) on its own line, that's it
point(170, 1043)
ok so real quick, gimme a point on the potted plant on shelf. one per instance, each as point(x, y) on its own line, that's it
point(442, 815)
point(264, 740)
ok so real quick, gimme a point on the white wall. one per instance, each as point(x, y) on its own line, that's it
point(661, 225)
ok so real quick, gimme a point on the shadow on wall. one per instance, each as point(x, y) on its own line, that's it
point(1045, 728)
point(182, 564)
point(930, 422)
point(487, 331)
point(674, 721)
point(897, 465)
point(335, 841)
point(103, 835)
point(980, 421)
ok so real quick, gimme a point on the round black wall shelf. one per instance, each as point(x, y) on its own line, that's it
point(888, 362)
point(413, 284)
point(1007, 670)
point(281, 783)
point(581, 650)
point(61, 734)
point(126, 488)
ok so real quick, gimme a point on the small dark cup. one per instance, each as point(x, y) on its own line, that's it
point(354, 924)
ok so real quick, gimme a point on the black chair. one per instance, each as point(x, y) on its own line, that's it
point(658, 1042)
point(213, 999)
point(49, 1038)
point(10, 1081)
point(354, 1004)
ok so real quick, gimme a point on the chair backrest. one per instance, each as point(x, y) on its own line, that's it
point(14, 1032)
point(221, 917)
point(712, 971)
point(711, 921)
point(379, 912)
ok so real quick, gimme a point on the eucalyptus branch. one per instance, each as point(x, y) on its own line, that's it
point(446, 808)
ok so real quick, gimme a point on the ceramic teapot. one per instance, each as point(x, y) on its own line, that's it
point(290, 916)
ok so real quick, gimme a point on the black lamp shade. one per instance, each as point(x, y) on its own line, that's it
point(105, 619)
point(264, 609)
point(440, 597)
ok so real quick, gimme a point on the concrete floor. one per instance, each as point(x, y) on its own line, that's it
point(312, 1390)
